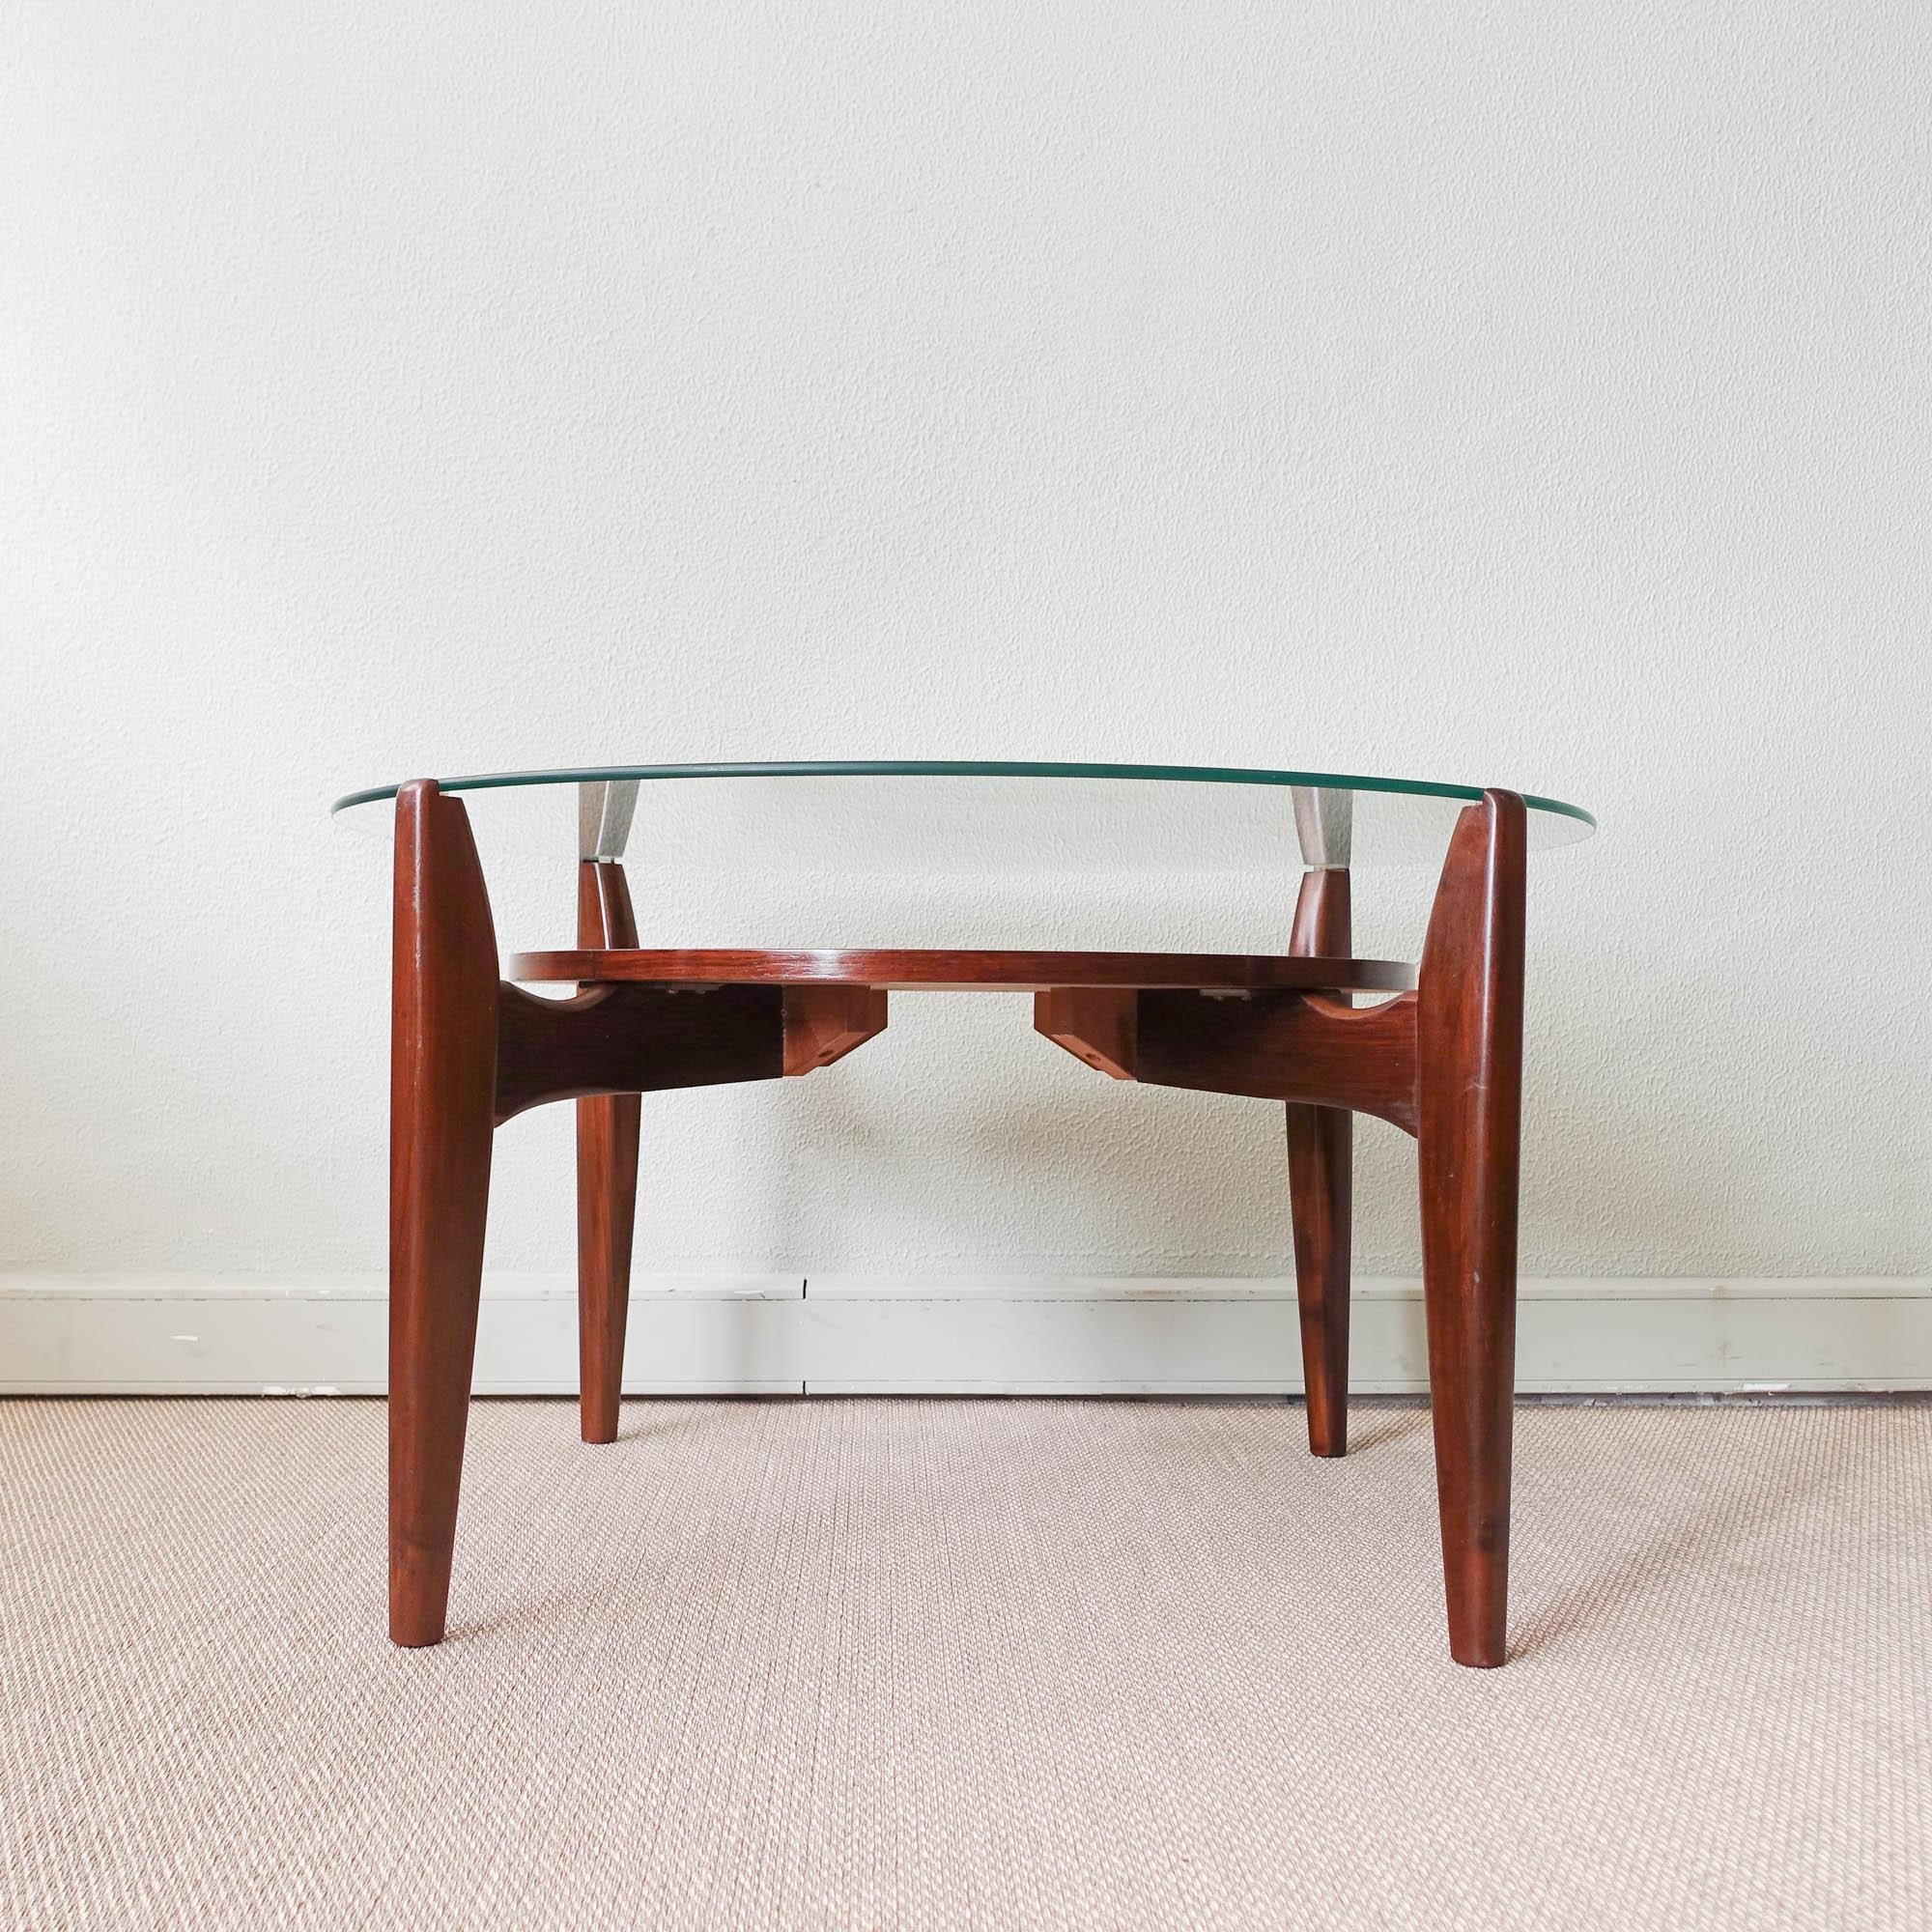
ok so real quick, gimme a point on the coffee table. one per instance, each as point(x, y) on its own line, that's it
point(1439, 1053)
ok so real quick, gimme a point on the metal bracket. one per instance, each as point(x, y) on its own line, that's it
point(604, 810)
point(1325, 820)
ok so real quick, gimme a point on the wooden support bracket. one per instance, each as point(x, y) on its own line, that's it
point(825, 1023)
point(633, 1039)
point(1095, 1024)
point(1285, 1046)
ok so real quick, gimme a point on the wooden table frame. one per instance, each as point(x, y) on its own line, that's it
point(1443, 1060)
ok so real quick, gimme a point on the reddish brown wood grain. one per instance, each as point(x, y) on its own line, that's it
point(442, 1077)
point(1284, 1046)
point(608, 1127)
point(1321, 1171)
point(957, 971)
point(825, 1023)
point(1097, 1024)
point(633, 1039)
point(1469, 1048)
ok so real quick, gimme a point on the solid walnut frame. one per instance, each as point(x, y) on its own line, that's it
point(1442, 1061)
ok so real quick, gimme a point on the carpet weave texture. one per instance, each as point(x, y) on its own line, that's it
point(939, 1663)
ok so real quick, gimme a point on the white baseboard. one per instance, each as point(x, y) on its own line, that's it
point(822, 1334)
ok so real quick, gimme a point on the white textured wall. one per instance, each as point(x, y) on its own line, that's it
point(1526, 394)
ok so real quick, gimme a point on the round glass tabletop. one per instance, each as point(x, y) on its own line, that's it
point(966, 814)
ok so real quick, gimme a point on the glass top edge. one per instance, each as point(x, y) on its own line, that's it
point(985, 768)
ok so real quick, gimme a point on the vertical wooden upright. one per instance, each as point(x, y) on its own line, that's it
point(1321, 1164)
point(606, 1182)
point(442, 1120)
point(1469, 1103)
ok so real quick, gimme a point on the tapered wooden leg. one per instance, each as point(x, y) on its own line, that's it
point(607, 1185)
point(1321, 1162)
point(607, 1203)
point(444, 1075)
point(1468, 1093)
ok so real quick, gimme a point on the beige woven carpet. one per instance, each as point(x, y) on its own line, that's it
point(934, 1663)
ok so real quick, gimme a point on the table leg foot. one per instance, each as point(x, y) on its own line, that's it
point(1321, 1150)
point(607, 1203)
